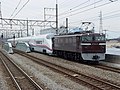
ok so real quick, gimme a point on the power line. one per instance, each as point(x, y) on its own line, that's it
point(104, 16)
point(75, 7)
point(63, 2)
point(15, 8)
point(112, 16)
point(87, 9)
point(21, 9)
point(81, 7)
point(80, 4)
point(0, 11)
point(67, 1)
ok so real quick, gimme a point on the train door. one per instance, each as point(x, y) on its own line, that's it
point(52, 42)
point(78, 43)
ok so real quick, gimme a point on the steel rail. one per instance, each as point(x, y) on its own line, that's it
point(57, 67)
point(26, 75)
point(109, 68)
point(10, 73)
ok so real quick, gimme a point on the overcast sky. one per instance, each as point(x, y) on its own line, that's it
point(75, 10)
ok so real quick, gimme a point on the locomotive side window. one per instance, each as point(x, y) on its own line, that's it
point(100, 38)
point(87, 38)
point(93, 38)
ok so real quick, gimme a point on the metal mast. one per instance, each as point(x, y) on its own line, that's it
point(66, 25)
point(101, 27)
point(0, 11)
point(1, 15)
point(56, 17)
point(27, 28)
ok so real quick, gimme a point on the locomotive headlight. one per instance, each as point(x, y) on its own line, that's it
point(95, 57)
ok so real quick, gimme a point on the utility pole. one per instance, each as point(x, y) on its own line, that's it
point(27, 27)
point(32, 31)
point(1, 15)
point(21, 33)
point(18, 34)
point(66, 25)
point(101, 27)
point(56, 17)
point(44, 17)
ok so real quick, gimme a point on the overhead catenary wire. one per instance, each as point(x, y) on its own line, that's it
point(20, 9)
point(112, 16)
point(87, 9)
point(104, 17)
point(75, 7)
point(67, 2)
point(63, 2)
point(70, 10)
point(80, 4)
point(90, 9)
point(16, 8)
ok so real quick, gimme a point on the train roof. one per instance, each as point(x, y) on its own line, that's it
point(77, 34)
point(47, 36)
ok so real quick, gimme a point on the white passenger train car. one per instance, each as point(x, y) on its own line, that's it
point(40, 43)
point(8, 47)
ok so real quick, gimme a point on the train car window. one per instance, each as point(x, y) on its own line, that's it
point(86, 38)
point(100, 38)
point(93, 38)
point(38, 42)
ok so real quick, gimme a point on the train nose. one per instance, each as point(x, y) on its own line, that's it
point(95, 57)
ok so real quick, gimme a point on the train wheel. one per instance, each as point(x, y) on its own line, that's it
point(96, 62)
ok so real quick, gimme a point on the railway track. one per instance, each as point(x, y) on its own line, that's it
point(87, 80)
point(20, 78)
point(109, 68)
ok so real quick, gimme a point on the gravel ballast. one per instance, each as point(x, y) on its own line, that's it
point(52, 80)
point(56, 81)
point(112, 76)
point(3, 83)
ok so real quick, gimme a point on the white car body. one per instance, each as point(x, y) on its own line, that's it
point(40, 43)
